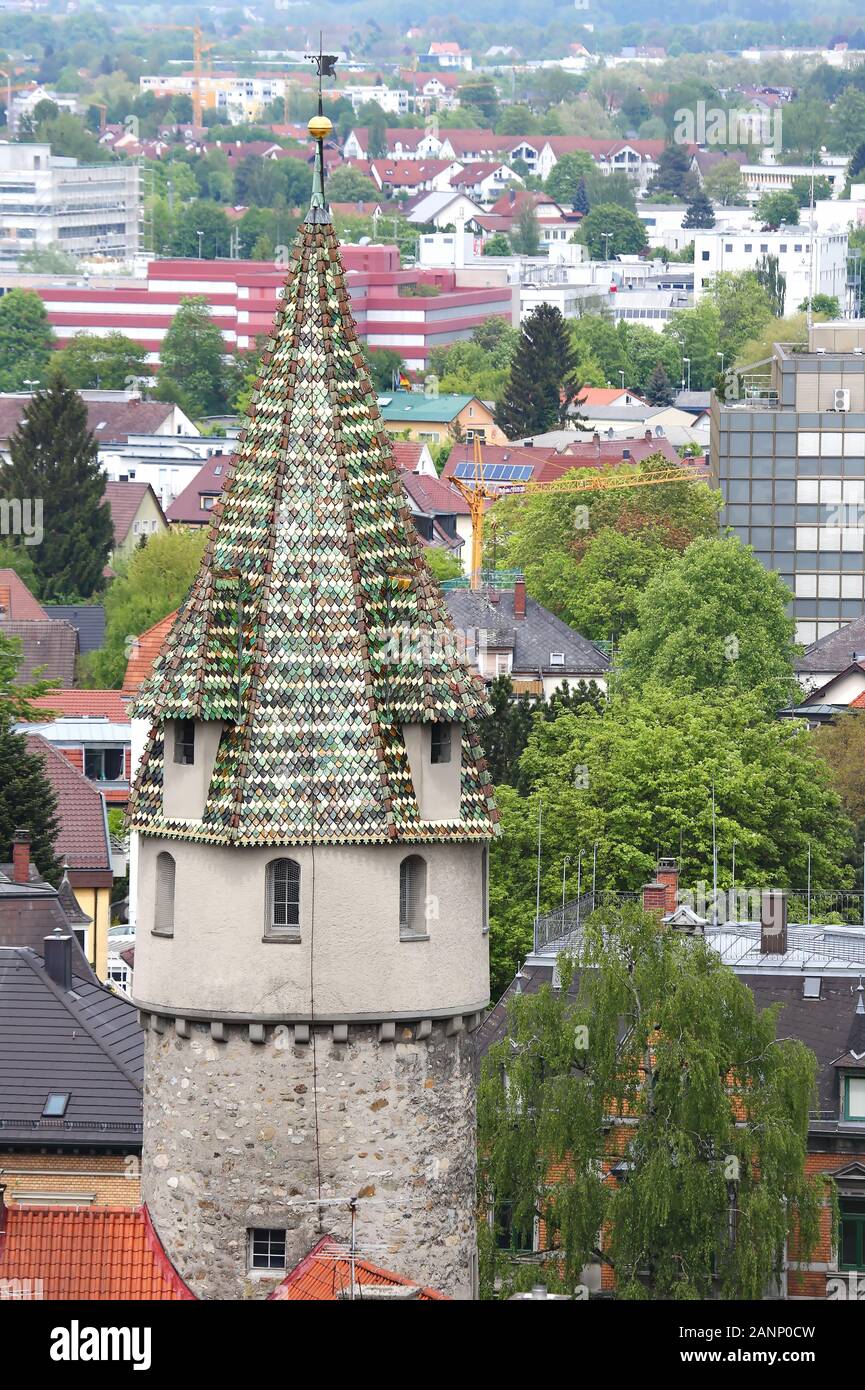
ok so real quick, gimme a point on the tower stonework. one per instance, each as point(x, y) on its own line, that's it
point(313, 816)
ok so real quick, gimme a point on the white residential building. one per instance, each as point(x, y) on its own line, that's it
point(25, 103)
point(394, 101)
point(87, 210)
point(804, 258)
point(778, 178)
point(235, 98)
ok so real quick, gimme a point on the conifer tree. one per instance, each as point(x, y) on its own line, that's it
point(27, 800)
point(700, 212)
point(659, 389)
point(581, 198)
point(542, 383)
point(55, 462)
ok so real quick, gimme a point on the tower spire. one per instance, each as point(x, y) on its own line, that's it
point(314, 634)
point(320, 127)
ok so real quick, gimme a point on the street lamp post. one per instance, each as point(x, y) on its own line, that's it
point(31, 382)
point(606, 236)
point(622, 375)
point(200, 236)
point(688, 361)
point(721, 355)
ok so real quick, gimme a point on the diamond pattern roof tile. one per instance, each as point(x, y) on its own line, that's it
point(287, 635)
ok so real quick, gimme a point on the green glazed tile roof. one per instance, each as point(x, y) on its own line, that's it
point(411, 405)
point(313, 629)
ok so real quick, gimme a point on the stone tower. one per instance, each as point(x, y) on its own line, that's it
point(313, 816)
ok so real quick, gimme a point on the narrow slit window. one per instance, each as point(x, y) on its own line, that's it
point(440, 743)
point(283, 898)
point(184, 741)
point(412, 897)
point(163, 915)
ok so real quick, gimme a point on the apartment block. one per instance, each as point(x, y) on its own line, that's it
point(789, 458)
point(87, 210)
point(805, 258)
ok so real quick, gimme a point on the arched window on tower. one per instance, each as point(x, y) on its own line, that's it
point(163, 909)
point(412, 898)
point(283, 900)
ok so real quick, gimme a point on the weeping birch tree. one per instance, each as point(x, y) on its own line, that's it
point(645, 1114)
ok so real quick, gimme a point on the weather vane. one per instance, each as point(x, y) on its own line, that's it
point(320, 126)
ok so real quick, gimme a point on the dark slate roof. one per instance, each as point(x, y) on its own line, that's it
point(30, 911)
point(533, 637)
point(835, 652)
point(86, 1041)
point(88, 619)
point(52, 645)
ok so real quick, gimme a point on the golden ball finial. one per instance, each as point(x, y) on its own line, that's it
point(320, 127)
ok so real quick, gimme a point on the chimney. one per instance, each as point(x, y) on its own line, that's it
point(773, 922)
point(21, 856)
point(520, 598)
point(57, 955)
point(596, 438)
point(654, 897)
point(648, 436)
point(668, 874)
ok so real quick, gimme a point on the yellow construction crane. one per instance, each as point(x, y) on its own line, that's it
point(477, 494)
point(103, 113)
point(199, 48)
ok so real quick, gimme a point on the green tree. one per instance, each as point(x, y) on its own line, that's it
point(700, 212)
point(723, 184)
point(675, 176)
point(547, 534)
point(192, 368)
point(349, 185)
point(526, 233)
point(581, 198)
point(88, 361)
point(677, 1043)
point(627, 235)
point(842, 745)
point(774, 282)
point(48, 260)
point(67, 136)
point(383, 364)
point(442, 564)
point(497, 245)
point(715, 619)
point(55, 458)
point(659, 389)
point(612, 574)
point(27, 799)
point(778, 209)
point(210, 221)
point(826, 304)
point(542, 384)
point(26, 339)
point(566, 176)
point(153, 583)
point(480, 91)
point(801, 189)
point(848, 120)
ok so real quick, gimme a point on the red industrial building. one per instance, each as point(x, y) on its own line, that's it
point(243, 297)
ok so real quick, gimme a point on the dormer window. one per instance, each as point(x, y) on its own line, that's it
point(184, 741)
point(854, 1099)
point(557, 658)
point(440, 743)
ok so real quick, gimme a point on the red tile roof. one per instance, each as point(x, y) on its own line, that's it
point(17, 604)
point(186, 507)
point(89, 1253)
point(326, 1272)
point(407, 452)
point(105, 704)
point(83, 834)
point(434, 496)
point(144, 653)
point(125, 501)
point(112, 420)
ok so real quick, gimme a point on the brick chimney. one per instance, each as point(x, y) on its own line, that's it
point(648, 436)
point(655, 897)
point(21, 856)
point(520, 598)
point(668, 874)
point(773, 922)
